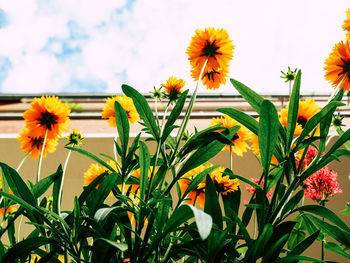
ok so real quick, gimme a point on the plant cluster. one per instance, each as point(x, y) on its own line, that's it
point(173, 205)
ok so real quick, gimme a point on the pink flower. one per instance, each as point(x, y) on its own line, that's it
point(310, 155)
point(251, 189)
point(322, 185)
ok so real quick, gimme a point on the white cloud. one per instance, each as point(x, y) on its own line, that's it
point(145, 43)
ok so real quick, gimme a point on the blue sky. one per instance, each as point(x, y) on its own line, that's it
point(52, 46)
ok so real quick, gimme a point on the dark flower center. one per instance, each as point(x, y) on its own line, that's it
point(47, 119)
point(210, 74)
point(210, 50)
point(37, 142)
point(346, 68)
point(302, 121)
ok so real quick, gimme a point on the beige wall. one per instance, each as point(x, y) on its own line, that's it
point(246, 166)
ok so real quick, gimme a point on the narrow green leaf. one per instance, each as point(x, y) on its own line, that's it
point(102, 214)
point(243, 118)
point(122, 122)
point(17, 185)
point(92, 156)
point(341, 132)
point(259, 245)
point(175, 113)
point(346, 211)
point(212, 205)
point(56, 189)
point(143, 109)
point(41, 187)
point(293, 109)
point(253, 98)
point(120, 246)
point(268, 133)
point(303, 245)
point(145, 161)
point(335, 248)
point(292, 202)
point(23, 248)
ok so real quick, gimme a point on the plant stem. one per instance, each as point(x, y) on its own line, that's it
point(115, 147)
point(62, 180)
point(19, 228)
point(21, 163)
point(41, 157)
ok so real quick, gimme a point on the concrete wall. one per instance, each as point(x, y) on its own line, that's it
point(246, 166)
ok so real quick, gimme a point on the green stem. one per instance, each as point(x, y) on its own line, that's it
point(115, 147)
point(21, 163)
point(41, 157)
point(62, 180)
point(19, 228)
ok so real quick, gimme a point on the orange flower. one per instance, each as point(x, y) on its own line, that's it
point(223, 184)
point(239, 139)
point(214, 45)
point(108, 111)
point(307, 109)
point(95, 170)
point(47, 113)
point(33, 145)
point(9, 209)
point(338, 66)
point(197, 195)
point(173, 87)
point(346, 25)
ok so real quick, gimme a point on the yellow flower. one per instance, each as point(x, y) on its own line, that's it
point(47, 113)
point(95, 170)
point(33, 145)
point(239, 139)
point(75, 138)
point(338, 66)
point(254, 140)
point(173, 87)
point(307, 109)
point(197, 195)
point(214, 45)
point(346, 25)
point(223, 184)
point(108, 111)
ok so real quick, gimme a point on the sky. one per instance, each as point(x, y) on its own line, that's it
point(59, 46)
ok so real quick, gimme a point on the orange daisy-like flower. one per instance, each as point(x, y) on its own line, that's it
point(239, 139)
point(75, 138)
point(33, 145)
point(214, 45)
point(212, 78)
point(173, 87)
point(224, 184)
point(108, 111)
point(47, 113)
point(197, 195)
point(95, 170)
point(338, 66)
point(307, 109)
point(346, 25)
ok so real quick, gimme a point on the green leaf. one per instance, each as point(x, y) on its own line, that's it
point(293, 109)
point(337, 249)
point(303, 245)
point(253, 98)
point(243, 179)
point(344, 138)
point(292, 259)
point(40, 188)
point(243, 118)
point(23, 248)
point(143, 109)
point(324, 212)
point(331, 230)
point(201, 156)
point(346, 211)
point(341, 132)
point(92, 156)
point(204, 222)
point(122, 122)
point(145, 161)
point(120, 246)
point(259, 245)
point(175, 113)
point(212, 205)
point(102, 214)
point(17, 185)
point(56, 188)
point(292, 202)
point(268, 133)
